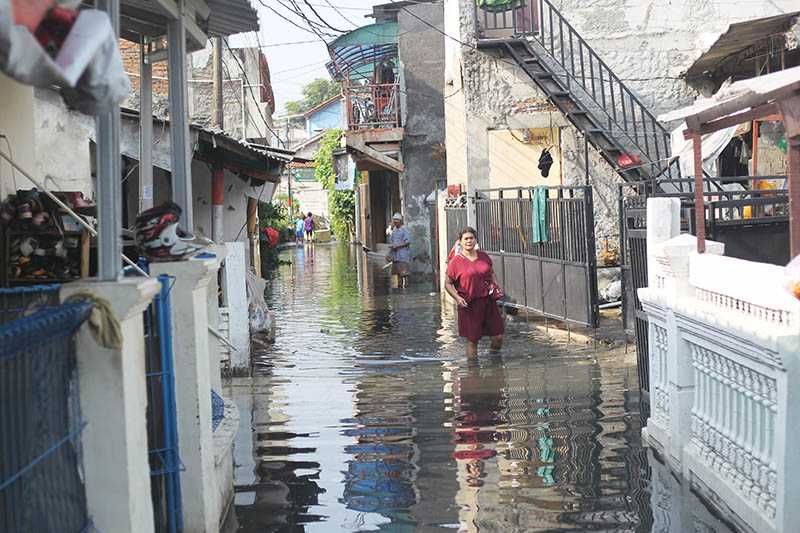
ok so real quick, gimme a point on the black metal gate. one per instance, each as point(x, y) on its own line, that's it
point(556, 278)
point(753, 225)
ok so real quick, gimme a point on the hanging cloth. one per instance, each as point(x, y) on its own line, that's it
point(545, 162)
point(539, 204)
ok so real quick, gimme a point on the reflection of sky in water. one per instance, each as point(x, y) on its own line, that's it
point(366, 417)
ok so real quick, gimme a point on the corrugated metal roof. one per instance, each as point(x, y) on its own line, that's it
point(229, 17)
point(738, 38)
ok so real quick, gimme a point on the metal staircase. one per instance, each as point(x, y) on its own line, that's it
point(582, 86)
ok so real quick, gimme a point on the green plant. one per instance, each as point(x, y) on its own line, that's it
point(342, 204)
point(316, 92)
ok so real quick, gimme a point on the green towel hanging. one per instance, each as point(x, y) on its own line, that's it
point(539, 203)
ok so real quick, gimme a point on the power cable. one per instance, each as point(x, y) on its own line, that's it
point(250, 88)
point(306, 2)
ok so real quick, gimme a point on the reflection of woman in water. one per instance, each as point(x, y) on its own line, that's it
point(472, 283)
point(478, 402)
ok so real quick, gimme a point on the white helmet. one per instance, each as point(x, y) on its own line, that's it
point(160, 239)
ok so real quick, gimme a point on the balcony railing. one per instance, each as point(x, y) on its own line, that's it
point(373, 106)
point(497, 19)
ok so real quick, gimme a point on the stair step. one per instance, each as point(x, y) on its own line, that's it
point(558, 94)
point(578, 113)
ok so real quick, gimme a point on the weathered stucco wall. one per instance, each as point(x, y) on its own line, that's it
point(647, 43)
point(18, 129)
point(63, 144)
point(421, 54)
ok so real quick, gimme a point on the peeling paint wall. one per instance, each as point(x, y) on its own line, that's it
point(421, 55)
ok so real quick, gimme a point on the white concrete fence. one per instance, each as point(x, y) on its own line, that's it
point(113, 399)
point(724, 343)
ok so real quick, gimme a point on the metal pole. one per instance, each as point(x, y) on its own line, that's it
point(699, 207)
point(109, 174)
point(145, 127)
point(179, 119)
point(218, 171)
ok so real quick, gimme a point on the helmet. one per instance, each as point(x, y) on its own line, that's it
point(158, 236)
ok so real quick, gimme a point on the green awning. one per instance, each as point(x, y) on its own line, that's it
point(354, 54)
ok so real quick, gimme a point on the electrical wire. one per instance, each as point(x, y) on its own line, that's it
point(250, 89)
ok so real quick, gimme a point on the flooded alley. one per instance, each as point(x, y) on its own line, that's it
point(365, 416)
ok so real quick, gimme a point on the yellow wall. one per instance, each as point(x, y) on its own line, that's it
point(514, 157)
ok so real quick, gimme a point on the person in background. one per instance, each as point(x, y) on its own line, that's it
point(400, 254)
point(299, 228)
point(472, 283)
point(309, 227)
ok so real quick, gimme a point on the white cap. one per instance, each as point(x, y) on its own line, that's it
point(397, 216)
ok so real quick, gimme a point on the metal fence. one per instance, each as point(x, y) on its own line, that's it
point(41, 488)
point(162, 428)
point(456, 217)
point(556, 278)
point(372, 106)
point(753, 225)
point(510, 20)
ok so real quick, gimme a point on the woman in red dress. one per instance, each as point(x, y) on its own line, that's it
point(471, 281)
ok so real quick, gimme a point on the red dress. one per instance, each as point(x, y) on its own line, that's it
point(472, 280)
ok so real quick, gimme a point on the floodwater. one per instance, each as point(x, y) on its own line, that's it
point(365, 416)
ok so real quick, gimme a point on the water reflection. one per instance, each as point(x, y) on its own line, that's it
point(364, 416)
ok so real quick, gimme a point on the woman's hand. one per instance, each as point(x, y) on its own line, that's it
point(461, 302)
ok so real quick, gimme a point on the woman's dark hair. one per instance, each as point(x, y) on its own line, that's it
point(466, 230)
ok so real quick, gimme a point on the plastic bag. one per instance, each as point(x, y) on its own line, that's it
point(793, 277)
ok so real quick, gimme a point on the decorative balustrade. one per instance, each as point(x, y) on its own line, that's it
point(725, 355)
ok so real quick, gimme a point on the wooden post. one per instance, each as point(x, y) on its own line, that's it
point(86, 240)
point(793, 178)
point(252, 235)
point(699, 206)
point(790, 108)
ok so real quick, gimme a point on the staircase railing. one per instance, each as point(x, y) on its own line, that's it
point(611, 101)
point(623, 110)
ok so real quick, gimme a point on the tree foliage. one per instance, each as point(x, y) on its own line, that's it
point(316, 92)
point(342, 204)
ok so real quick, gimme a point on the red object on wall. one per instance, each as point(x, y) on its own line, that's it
point(272, 236)
point(454, 191)
point(29, 13)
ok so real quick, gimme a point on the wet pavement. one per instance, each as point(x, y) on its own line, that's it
point(365, 416)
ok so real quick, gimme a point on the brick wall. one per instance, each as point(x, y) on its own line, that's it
point(241, 106)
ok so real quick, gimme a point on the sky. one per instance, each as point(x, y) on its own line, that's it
point(293, 65)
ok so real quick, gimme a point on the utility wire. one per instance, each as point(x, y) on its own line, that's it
point(250, 89)
point(306, 2)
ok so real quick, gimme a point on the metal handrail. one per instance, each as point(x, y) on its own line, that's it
point(375, 105)
point(582, 66)
point(575, 63)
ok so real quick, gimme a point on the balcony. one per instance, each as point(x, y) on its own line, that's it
point(506, 19)
point(373, 106)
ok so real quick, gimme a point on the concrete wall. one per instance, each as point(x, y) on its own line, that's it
point(647, 43)
point(17, 125)
point(62, 144)
point(421, 55)
point(246, 115)
point(514, 157)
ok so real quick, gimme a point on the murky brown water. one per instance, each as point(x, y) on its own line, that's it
point(364, 416)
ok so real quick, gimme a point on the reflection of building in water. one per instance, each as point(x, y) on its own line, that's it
point(382, 469)
point(275, 487)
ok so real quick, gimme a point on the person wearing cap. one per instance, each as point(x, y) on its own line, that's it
point(400, 254)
